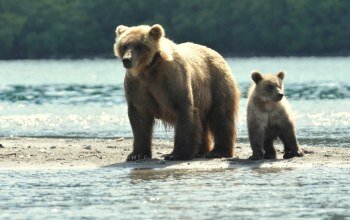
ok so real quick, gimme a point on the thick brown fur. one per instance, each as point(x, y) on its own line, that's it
point(270, 117)
point(186, 85)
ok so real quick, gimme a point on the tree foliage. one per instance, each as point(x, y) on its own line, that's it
point(85, 28)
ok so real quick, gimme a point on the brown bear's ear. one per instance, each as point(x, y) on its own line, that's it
point(281, 74)
point(256, 76)
point(156, 31)
point(120, 29)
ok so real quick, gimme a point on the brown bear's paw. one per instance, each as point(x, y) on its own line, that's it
point(200, 155)
point(218, 154)
point(173, 156)
point(291, 154)
point(138, 156)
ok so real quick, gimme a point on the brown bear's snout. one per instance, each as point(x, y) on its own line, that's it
point(126, 62)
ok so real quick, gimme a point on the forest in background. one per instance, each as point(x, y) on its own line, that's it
point(85, 28)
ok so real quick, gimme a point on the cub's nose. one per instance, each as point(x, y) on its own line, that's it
point(126, 63)
point(280, 96)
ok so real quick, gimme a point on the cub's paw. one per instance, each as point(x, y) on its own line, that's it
point(291, 154)
point(173, 156)
point(138, 156)
point(256, 157)
point(218, 154)
point(270, 156)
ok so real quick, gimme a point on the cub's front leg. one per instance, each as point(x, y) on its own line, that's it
point(256, 133)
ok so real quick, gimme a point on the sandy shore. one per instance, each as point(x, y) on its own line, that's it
point(75, 153)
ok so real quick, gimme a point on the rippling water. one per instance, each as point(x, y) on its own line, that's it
point(114, 94)
point(246, 193)
point(85, 98)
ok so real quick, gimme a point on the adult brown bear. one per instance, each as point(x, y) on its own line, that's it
point(186, 85)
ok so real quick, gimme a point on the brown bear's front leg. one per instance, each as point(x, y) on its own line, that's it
point(142, 127)
point(188, 134)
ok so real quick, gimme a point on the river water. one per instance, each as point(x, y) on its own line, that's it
point(264, 193)
point(85, 98)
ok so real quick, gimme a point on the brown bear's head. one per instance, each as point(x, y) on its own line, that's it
point(137, 46)
point(269, 87)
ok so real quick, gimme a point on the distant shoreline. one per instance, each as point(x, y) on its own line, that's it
point(91, 153)
point(231, 55)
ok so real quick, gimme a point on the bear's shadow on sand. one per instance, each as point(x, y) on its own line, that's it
point(158, 169)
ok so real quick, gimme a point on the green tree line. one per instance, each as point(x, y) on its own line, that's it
point(85, 28)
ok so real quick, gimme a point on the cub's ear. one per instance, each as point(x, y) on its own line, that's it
point(120, 29)
point(256, 76)
point(156, 31)
point(281, 74)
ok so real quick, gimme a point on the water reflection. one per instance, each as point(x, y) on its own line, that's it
point(168, 174)
point(163, 193)
point(270, 170)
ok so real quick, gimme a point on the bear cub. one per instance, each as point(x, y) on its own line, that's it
point(269, 117)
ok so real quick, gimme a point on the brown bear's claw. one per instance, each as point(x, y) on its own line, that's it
point(138, 156)
point(173, 156)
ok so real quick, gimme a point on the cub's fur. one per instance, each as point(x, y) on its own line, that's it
point(270, 117)
point(187, 85)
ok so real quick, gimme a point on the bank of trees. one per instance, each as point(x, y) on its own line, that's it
point(85, 28)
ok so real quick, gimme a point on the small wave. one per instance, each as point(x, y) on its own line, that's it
point(63, 94)
point(312, 90)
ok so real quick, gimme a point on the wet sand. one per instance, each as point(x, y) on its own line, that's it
point(76, 153)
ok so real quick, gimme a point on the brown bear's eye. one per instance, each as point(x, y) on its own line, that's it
point(124, 47)
point(138, 47)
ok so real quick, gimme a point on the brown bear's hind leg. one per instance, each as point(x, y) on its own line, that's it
point(222, 125)
point(206, 142)
point(188, 134)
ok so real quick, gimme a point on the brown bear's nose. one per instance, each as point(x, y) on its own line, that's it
point(126, 63)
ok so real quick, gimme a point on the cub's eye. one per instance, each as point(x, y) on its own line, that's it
point(269, 87)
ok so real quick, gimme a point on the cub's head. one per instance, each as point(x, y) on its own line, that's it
point(269, 87)
point(137, 46)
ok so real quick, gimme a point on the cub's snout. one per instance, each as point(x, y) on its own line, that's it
point(279, 97)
